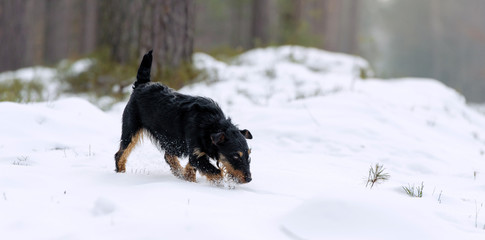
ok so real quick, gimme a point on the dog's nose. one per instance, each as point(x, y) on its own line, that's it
point(248, 178)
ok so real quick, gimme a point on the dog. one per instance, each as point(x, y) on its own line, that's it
point(183, 126)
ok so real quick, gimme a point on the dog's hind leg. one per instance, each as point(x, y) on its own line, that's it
point(126, 146)
point(174, 164)
point(129, 139)
point(131, 133)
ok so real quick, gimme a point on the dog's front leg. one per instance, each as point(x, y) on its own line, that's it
point(201, 162)
point(189, 173)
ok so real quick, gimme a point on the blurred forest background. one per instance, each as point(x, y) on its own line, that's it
point(442, 39)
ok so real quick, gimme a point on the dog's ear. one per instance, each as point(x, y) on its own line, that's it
point(247, 134)
point(217, 138)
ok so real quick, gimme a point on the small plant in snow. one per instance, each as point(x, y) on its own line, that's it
point(376, 175)
point(439, 196)
point(21, 161)
point(477, 211)
point(270, 73)
point(414, 191)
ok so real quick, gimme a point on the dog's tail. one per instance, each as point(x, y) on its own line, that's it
point(143, 75)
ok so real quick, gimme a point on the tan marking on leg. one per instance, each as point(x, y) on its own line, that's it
point(124, 156)
point(249, 151)
point(189, 173)
point(198, 153)
point(175, 166)
point(211, 177)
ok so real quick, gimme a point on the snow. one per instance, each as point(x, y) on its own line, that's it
point(316, 133)
point(43, 76)
point(81, 66)
point(276, 75)
point(47, 78)
point(28, 74)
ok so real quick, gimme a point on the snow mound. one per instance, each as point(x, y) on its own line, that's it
point(277, 75)
point(44, 81)
point(314, 59)
point(340, 217)
point(51, 125)
point(41, 77)
point(29, 74)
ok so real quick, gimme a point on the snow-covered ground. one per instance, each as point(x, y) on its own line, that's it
point(317, 129)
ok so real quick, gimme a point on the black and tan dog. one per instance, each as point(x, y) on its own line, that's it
point(183, 125)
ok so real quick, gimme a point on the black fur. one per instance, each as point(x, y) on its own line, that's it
point(182, 126)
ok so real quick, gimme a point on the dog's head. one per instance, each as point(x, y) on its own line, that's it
point(234, 153)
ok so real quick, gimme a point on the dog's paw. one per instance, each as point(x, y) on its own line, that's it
point(189, 174)
point(215, 178)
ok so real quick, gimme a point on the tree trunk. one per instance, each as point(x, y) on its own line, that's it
point(171, 36)
point(89, 30)
point(291, 21)
point(260, 23)
point(130, 28)
point(13, 34)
